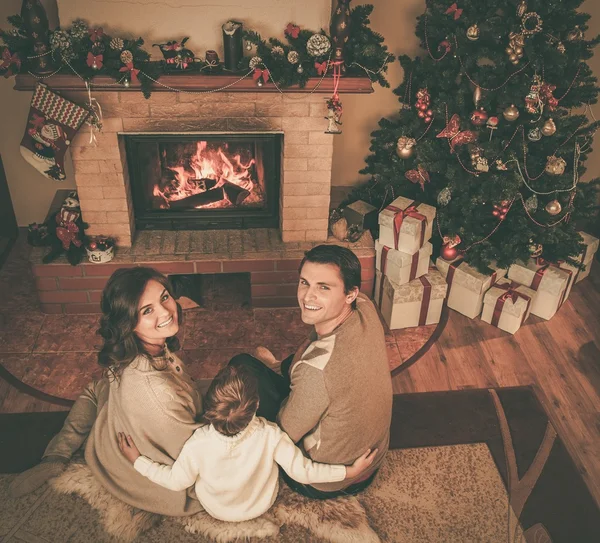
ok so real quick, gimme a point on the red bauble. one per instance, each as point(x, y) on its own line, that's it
point(422, 106)
point(448, 253)
point(429, 113)
point(502, 216)
point(496, 213)
point(93, 245)
point(479, 117)
point(427, 119)
point(421, 114)
point(504, 210)
point(504, 203)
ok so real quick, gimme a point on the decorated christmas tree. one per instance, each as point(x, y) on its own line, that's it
point(494, 129)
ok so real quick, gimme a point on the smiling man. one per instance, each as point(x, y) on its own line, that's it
point(335, 394)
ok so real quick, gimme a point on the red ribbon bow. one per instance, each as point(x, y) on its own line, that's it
point(454, 9)
point(258, 73)
point(454, 135)
point(96, 34)
point(292, 30)
point(420, 175)
point(97, 59)
point(401, 214)
point(512, 294)
point(321, 67)
point(8, 60)
point(132, 71)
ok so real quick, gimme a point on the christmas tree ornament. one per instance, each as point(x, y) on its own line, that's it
point(248, 46)
point(277, 50)
point(534, 134)
point(422, 104)
point(334, 114)
point(501, 166)
point(339, 30)
point(549, 128)
point(479, 117)
point(575, 35)
point(498, 213)
point(233, 46)
point(553, 207)
point(473, 32)
point(61, 43)
point(420, 176)
point(52, 124)
point(555, 165)
point(521, 8)
point(405, 147)
point(535, 249)
point(126, 83)
point(255, 62)
point(516, 43)
point(318, 45)
point(259, 83)
point(476, 95)
point(531, 23)
point(126, 57)
point(511, 113)
point(300, 69)
point(260, 76)
point(546, 96)
point(444, 196)
point(492, 124)
point(116, 44)
point(454, 135)
point(481, 164)
point(35, 24)
point(449, 250)
point(293, 57)
point(445, 46)
point(533, 103)
point(531, 204)
point(454, 10)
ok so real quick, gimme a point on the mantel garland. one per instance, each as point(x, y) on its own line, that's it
point(89, 51)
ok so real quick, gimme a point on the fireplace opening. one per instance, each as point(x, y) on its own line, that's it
point(213, 291)
point(204, 181)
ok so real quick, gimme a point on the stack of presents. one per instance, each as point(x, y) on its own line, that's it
point(410, 291)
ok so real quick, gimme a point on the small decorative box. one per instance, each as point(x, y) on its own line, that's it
point(549, 282)
point(405, 225)
point(100, 250)
point(506, 305)
point(587, 257)
point(416, 303)
point(466, 285)
point(361, 214)
point(402, 267)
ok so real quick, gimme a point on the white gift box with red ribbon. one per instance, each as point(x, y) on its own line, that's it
point(466, 285)
point(405, 225)
point(402, 267)
point(507, 305)
point(587, 257)
point(416, 303)
point(548, 281)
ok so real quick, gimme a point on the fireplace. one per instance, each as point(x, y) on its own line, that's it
point(201, 181)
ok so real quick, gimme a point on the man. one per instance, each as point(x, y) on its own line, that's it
point(334, 397)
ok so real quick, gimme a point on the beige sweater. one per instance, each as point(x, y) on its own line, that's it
point(340, 402)
point(159, 410)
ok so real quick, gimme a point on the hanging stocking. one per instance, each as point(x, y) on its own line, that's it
point(52, 124)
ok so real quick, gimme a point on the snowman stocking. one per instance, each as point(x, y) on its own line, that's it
point(52, 124)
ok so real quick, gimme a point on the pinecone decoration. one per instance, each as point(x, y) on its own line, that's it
point(126, 57)
point(254, 62)
point(79, 29)
point(277, 51)
point(117, 44)
point(293, 57)
point(318, 45)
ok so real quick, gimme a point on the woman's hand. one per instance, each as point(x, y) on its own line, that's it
point(361, 464)
point(128, 448)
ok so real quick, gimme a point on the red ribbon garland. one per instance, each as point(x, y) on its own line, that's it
point(401, 214)
point(514, 295)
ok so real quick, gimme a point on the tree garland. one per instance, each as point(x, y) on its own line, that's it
point(89, 52)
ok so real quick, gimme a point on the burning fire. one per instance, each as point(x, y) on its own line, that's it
point(211, 178)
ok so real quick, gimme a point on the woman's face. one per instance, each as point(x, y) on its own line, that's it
point(157, 314)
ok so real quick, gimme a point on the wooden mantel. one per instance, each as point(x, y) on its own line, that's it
point(197, 82)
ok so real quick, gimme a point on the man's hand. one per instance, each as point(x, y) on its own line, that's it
point(361, 464)
point(128, 448)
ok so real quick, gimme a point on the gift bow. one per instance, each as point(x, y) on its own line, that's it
point(8, 60)
point(399, 216)
point(292, 30)
point(133, 71)
point(321, 67)
point(97, 59)
point(454, 135)
point(454, 9)
point(258, 73)
point(96, 34)
point(512, 292)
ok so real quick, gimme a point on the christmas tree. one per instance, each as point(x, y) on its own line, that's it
point(487, 130)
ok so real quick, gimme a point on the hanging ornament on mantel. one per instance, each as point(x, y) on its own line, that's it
point(555, 165)
point(405, 147)
point(549, 128)
point(511, 113)
point(553, 207)
point(473, 32)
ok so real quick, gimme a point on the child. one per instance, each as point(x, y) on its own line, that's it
point(233, 459)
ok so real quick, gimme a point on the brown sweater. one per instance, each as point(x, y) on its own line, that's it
point(159, 410)
point(340, 402)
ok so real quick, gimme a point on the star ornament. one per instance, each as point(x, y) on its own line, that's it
point(420, 175)
point(454, 135)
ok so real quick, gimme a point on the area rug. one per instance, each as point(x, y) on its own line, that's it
point(475, 465)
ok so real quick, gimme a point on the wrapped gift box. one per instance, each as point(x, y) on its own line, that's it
point(405, 225)
point(506, 305)
point(466, 286)
point(549, 282)
point(401, 267)
point(587, 257)
point(416, 303)
point(361, 214)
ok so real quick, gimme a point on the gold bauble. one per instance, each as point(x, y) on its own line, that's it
point(553, 207)
point(509, 50)
point(513, 57)
point(549, 128)
point(511, 113)
point(473, 32)
point(575, 35)
point(555, 165)
point(405, 147)
point(519, 51)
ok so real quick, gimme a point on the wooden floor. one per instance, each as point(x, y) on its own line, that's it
point(560, 358)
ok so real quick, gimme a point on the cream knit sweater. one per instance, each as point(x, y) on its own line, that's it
point(236, 478)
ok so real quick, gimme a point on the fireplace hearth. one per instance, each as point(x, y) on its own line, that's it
point(204, 181)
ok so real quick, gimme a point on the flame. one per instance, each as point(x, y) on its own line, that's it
point(209, 163)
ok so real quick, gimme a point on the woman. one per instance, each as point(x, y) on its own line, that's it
point(146, 393)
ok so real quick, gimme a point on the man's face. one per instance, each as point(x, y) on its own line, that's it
point(321, 296)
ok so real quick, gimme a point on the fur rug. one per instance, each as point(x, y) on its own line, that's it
point(342, 520)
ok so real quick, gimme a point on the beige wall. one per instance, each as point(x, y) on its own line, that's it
point(32, 193)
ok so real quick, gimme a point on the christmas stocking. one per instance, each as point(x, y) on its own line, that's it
point(52, 124)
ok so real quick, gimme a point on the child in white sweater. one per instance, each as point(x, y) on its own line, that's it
point(233, 460)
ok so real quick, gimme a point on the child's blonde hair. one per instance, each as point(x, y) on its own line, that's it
point(231, 400)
